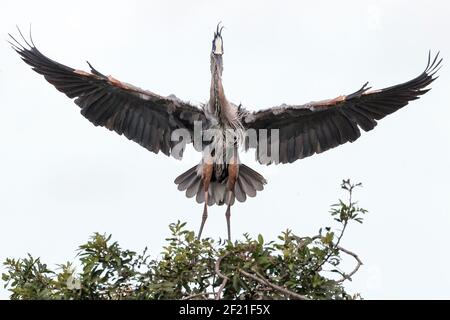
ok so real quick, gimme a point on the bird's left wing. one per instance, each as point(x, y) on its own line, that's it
point(319, 126)
point(142, 116)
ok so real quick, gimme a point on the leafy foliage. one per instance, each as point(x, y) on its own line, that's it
point(292, 267)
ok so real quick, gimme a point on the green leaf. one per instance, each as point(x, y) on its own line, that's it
point(260, 239)
point(236, 282)
point(187, 266)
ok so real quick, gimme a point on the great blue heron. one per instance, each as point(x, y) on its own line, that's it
point(154, 121)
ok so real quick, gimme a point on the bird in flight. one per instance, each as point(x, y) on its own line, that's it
point(218, 128)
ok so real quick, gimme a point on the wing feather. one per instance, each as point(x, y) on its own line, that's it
point(319, 126)
point(141, 116)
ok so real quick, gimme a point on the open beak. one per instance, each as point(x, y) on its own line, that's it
point(217, 44)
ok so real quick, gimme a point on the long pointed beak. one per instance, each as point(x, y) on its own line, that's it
point(217, 44)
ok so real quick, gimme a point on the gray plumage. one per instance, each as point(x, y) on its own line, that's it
point(150, 120)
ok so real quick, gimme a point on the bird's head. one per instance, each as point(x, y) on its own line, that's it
point(217, 52)
point(217, 43)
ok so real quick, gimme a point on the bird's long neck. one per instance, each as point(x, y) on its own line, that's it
point(217, 99)
point(226, 114)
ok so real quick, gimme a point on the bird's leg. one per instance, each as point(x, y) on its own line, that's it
point(206, 176)
point(204, 216)
point(228, 213)
point(233, 170)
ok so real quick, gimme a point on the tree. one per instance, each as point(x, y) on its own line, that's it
point(292, 267)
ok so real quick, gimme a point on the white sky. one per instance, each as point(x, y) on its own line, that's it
point(61, 179)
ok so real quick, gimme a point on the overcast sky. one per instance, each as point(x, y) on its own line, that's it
point(61, 179)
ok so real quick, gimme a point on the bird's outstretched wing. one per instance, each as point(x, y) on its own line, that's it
point(141, 116)
point(319, 126)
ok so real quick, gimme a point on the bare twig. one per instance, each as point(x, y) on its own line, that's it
point(222, 286)
point(304, 240)
point(195, 295)
point(358, 265)
point(333, 246)
point(217, 266)
point(214, 281)
point(317, 236)
point(221, 275)
point(267, 283)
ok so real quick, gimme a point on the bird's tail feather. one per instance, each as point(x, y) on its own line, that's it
point(248, 183)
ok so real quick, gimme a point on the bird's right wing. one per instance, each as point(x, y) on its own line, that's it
point(141, 116)
point(319, 126)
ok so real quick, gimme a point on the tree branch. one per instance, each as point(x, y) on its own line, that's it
point(358, 265)
point(221, 275)
point(200, 294)
point(267, 283)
